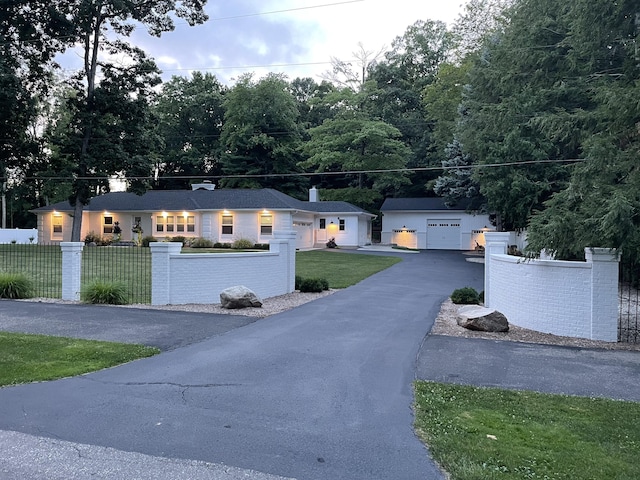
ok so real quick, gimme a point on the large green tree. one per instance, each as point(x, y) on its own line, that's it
point(261, 136)
point(190, 115)
point(600, 207)
point(101, 28)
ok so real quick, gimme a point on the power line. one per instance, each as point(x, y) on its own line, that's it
point(314, 174)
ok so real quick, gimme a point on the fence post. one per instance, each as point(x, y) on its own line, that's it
point(496, 243)
point(604, 292)
point(161, 270)
point(71, 270)
point(286, 236)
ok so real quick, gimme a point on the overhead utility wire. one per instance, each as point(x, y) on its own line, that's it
point(311, 174)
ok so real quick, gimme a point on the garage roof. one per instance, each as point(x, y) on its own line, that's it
point(419, 204)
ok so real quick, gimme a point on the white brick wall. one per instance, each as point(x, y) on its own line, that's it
point(575, 299)
point(199, 278)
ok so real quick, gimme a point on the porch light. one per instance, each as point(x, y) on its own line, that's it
point(185, 214)
point(164, 214)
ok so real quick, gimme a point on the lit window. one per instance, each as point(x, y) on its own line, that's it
point(56, 223)
point(170, 226)
point(107, 226)
point(266, 224)
point(191, 223)
point(159, 223)
point(341, 223)
point(227, 224)
point(180, 224)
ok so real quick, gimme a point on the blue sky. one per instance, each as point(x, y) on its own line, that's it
point(297, 39)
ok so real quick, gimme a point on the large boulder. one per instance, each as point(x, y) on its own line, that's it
point(239, 297)
point(482, 319)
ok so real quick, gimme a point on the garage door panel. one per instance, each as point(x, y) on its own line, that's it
point(443, 234)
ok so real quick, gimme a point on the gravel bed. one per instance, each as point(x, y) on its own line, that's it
point(446, 324)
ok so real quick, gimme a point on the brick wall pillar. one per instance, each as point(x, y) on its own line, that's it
point(161, 270)
point(71, 270)
point(495, 243)
point(604, 293)
point(284, 240)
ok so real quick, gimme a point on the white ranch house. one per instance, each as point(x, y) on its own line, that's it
point(220, 215)
point(427, 223)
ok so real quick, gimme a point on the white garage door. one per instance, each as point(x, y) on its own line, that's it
point(305, 234)
point(443, 234)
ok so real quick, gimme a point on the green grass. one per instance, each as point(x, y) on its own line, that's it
point(31, 358)
point(482, 433)
point(341, 269)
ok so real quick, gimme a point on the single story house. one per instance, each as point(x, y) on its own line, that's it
point(427, 223)
point(220, 215)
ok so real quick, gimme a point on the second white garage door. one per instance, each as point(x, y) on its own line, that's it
point(443, 234)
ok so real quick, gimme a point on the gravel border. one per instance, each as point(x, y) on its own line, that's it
point(446, 324)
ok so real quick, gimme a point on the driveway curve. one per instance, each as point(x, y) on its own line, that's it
point(319, 392)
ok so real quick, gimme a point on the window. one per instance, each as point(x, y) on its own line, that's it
point(191, 223)
point(227, 224)
point(341, 223)
point(169, 224)
point(107, 225)
point(266, 224)
point(159, 224)
point(185, 220)
point(323, 223)
point(56, 223)
point(180, 223)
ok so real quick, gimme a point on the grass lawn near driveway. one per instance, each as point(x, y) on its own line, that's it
point(488, 433)
point(28, 358)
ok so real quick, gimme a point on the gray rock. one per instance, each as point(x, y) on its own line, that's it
point(239, 297)
point(474, 317)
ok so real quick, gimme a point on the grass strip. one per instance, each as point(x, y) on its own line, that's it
point(489, 433)
point(341, 269)
point(31, 358)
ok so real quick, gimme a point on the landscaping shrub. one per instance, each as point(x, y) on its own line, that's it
point(180, 239)
point(92, 237)
point(242, 244)
point(105, 292)
point(481, 297)
point(147, 240)
point(261, 246)
point(315, 285)
point(15, 285)
point(201, 243)
point(298, 281)
point(465, 296)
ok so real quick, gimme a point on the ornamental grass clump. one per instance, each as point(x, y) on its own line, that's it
point(105, 292)
point(15, 285)
point(242, 244)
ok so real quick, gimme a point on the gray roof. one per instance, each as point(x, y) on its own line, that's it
point(219, 199)
point(418, 204)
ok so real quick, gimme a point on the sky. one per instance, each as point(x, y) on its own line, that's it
point(294, 37)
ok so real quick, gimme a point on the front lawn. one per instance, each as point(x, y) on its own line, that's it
point(341, 269)
point(488, 433)
point(31, 358)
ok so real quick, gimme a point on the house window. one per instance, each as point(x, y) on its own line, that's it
point(180, 221)
point(107, 225)
point(159, 224)
point(266, 224)
point(191, 223)
point(323, 223)
point(341, 223)
point(169, 224)
point(227, 224)
point(56, 225)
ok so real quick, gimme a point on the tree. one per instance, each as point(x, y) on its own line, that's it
point(190, 116)
point(261, 136)
point(409, 67)
point(600, 206)
point(93, 22)
point(344, 74)
point(457, 183)
point(354, 141)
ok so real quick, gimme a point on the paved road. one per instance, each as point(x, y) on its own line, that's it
point(319, 392)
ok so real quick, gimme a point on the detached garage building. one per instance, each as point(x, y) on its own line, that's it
point(427, 223)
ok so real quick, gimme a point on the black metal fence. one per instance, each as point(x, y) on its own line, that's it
point(43, 265)
point(629, 303)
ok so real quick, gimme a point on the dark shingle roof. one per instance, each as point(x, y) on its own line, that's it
point(418, 204)
point(219, 199)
